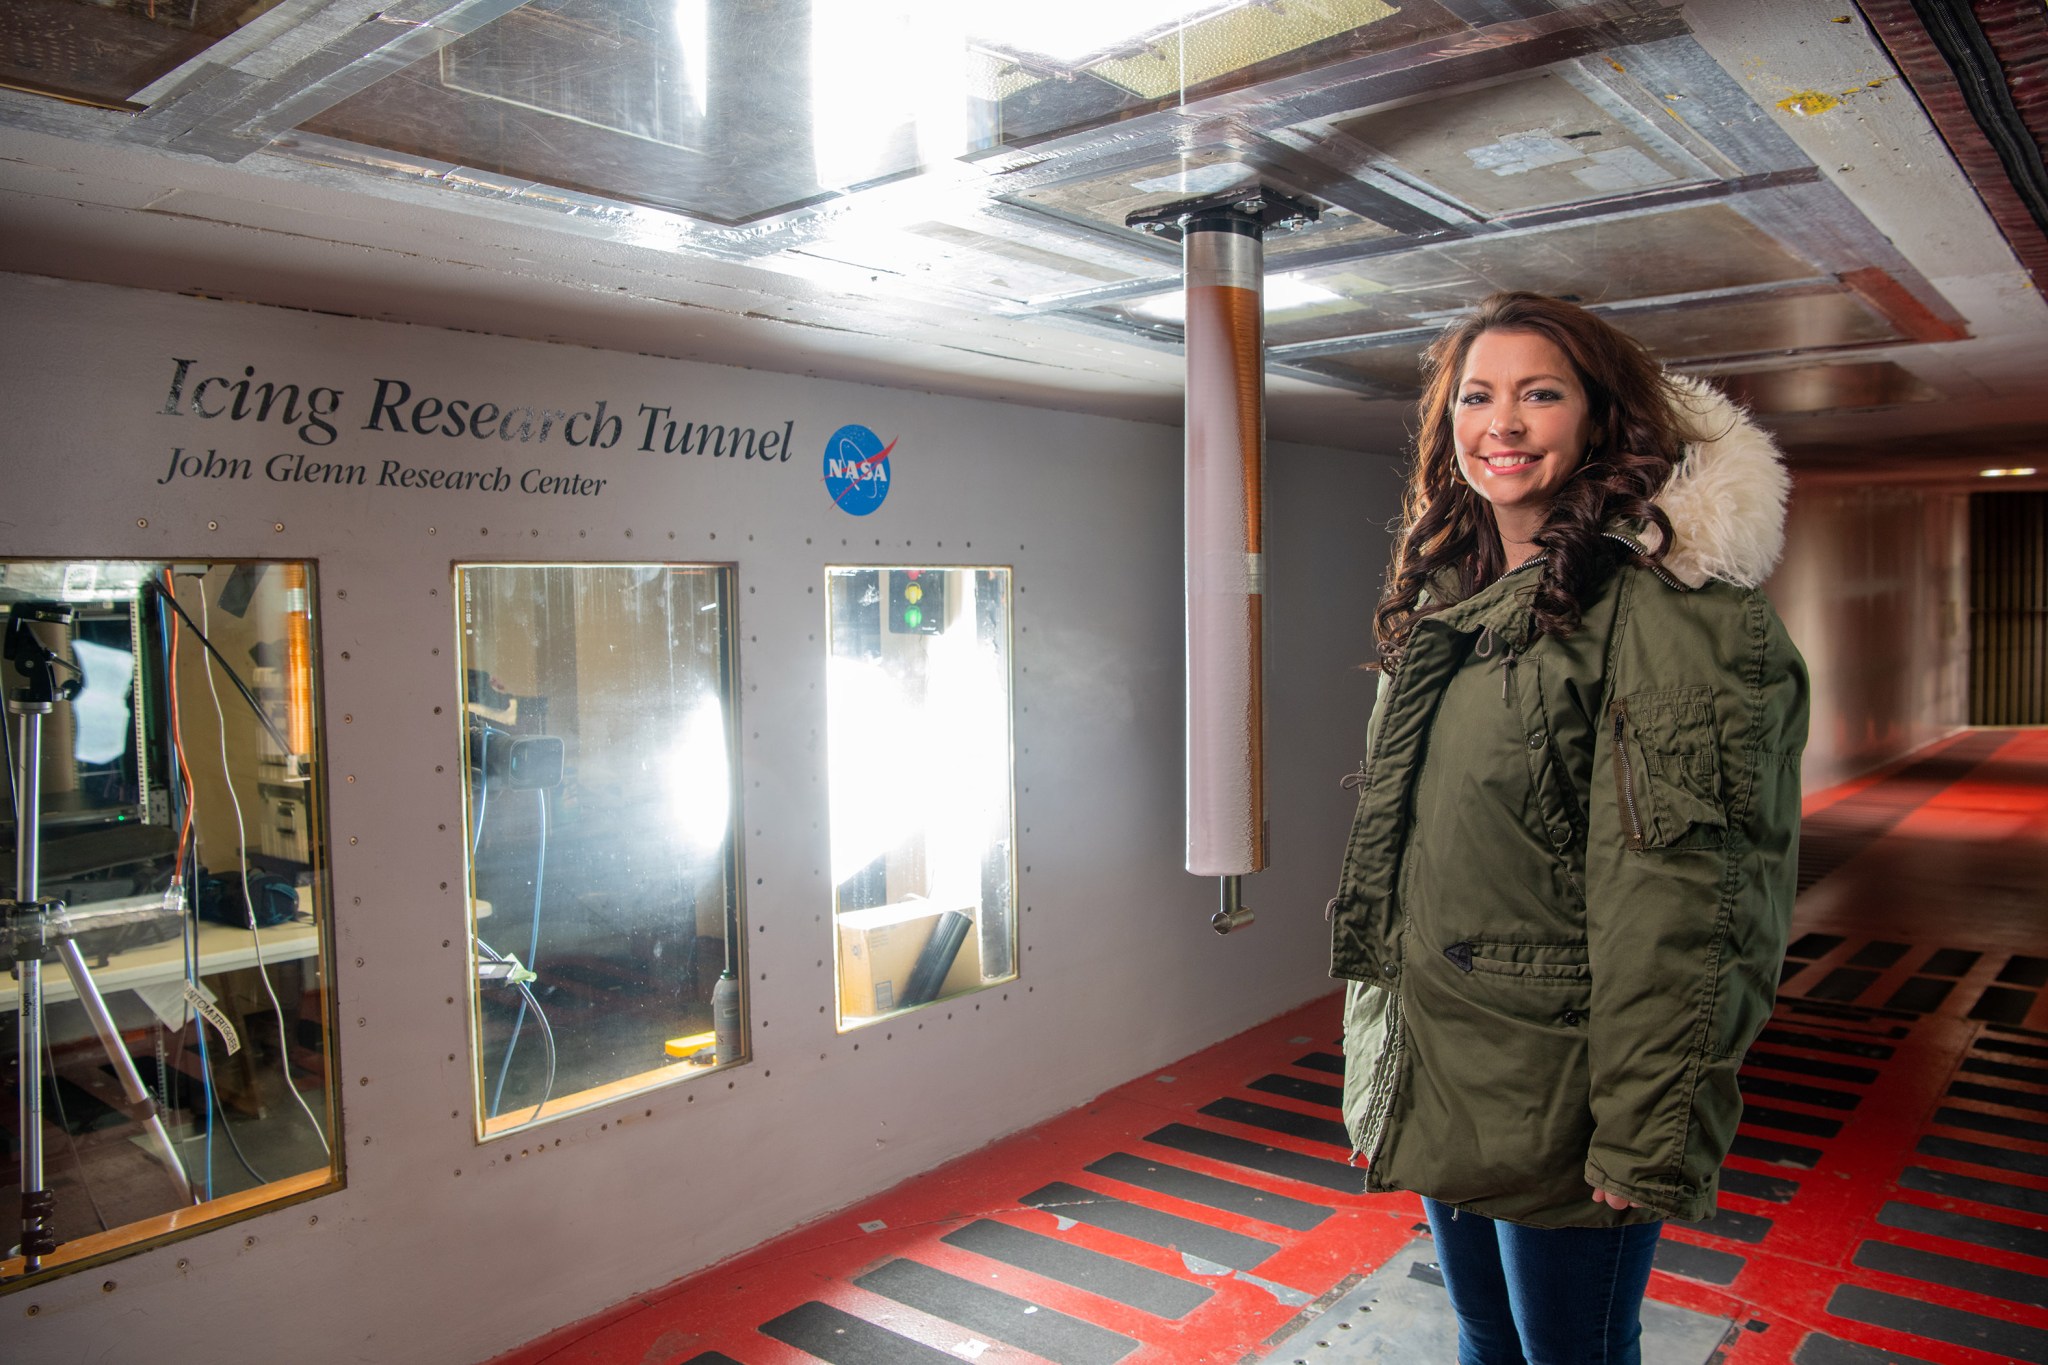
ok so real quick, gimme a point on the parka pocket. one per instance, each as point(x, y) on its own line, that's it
point(1546, 984)
point(1667, 769)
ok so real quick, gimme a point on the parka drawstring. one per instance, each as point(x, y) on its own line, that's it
point(1490, 643)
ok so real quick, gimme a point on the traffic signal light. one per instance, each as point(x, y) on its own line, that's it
point(917, 601)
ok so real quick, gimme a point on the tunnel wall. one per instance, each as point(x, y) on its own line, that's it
point(442, 1249)
point(1874, 588)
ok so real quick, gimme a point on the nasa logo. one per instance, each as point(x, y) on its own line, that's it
point(857, 469)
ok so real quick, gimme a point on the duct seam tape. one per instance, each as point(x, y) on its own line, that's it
point(1227, 573)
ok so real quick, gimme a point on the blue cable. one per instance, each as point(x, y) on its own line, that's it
point(532, 951)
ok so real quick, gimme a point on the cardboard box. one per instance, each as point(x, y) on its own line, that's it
point(878, 949)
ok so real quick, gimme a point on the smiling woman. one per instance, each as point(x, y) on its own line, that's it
point(1595, 862)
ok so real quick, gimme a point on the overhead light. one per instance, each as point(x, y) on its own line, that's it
point(1284, 294)
point(1068, 30)
point(2007, 473)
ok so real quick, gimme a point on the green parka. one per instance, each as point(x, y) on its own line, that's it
point(1565, 899)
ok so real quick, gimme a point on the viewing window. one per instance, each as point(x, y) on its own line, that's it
point(165, 800)
point(598, 740)
point(923, 852)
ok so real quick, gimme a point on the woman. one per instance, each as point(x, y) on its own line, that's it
point(1568, 885)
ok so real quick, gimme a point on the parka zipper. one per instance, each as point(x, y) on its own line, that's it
point(1624, 776)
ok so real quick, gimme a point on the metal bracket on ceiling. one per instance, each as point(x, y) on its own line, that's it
point(1268, 209)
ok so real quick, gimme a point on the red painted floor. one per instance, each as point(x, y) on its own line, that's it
point(1887, 1202)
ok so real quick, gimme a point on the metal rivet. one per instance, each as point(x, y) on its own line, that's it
point(351, 779)
point(351, 840)
point(277, 526)
point(348, 718)
point(342, 593)
point(142, 522)
point(433, 531)
point(107, 1287)
point(213, 526)
point(344, 654)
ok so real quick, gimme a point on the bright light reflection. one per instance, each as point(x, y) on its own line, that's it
point(884, 77)
point(899, 766)
point(693, 37)
point(1284, 293)
point(700, 778)
point(2007, 473)
point(1067, 30)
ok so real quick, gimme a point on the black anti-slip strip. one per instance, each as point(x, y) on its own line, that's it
point(991, 1313)
point(1287, 1121)
point(1950, 962)
point(2003, 1005)
point(1134, 1286)
point(2000, 1124)
point(1843, 984)
point(1697, 1263)
point(1965, 1227)
point(1815, 945)
point(1921, 994)
point(1816, 1042)
point(1149, 1225)
point(1930, 1267)
point(1822, 1349)
point(1809, 1124)
point(1245, 1201)
point(2010, 1071)
point(1295, 1088)
point(840, 1338)
point(1956, 1326)
point(1774, 1189)
point(1809, 1066)
point(1818, 1095)
point(1864, 1018)
point(1951, 1186)
point(1998, 1094)
point(1879, 954)
point(1257, 1156)
point(2024, 971)
point(1329, 1063)
point(1977, 1153)
point(1735, 1225)
point(1775, 1153)
point(1989, 1044)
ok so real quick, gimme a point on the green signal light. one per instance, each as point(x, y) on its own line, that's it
point(912, 617)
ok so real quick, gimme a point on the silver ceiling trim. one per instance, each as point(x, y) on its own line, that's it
point(228, 112)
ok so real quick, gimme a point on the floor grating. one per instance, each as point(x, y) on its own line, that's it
point(1886, 1202)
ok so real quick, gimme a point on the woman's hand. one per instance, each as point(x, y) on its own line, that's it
point(1601, 1196)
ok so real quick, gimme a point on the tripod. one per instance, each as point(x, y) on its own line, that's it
point(35, 927)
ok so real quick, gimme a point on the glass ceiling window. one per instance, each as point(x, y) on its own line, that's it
point(734, 112)
point(105, 51)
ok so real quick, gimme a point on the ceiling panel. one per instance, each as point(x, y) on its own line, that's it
point(1645, 255)
point(1827, 388)
point(105, 53)
point(1785, 322)
point(1532, 143)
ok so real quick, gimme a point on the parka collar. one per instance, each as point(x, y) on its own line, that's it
point(1726, 498)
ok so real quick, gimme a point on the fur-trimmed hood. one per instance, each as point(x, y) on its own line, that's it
point(1726, 498)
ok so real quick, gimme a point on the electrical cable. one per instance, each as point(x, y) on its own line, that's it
point(276, 736)
point(547, 1032)
point(186, 858)
point(284, 1051)
point(532, 949)
point(483, 800)
point(64, 1121)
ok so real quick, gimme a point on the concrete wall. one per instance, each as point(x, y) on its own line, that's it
point(1874, 588)
point(442, 1250)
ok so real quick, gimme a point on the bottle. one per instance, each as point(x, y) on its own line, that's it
point(725, 1017)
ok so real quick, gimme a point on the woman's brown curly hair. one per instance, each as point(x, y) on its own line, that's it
point(1448, 542)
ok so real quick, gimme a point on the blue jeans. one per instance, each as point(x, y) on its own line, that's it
point(1544, 1296)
